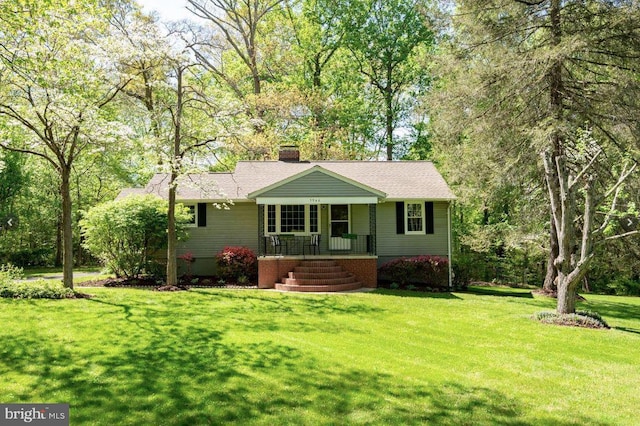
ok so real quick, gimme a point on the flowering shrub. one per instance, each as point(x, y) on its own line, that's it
point(188, 259)
point(419, 270)
point(237, 263)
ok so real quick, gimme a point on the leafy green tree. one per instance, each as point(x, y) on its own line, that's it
point(189, 119)
point(239, 23)
point(56, 83)
point(552, 86)
point(12, 180)
point(128, 235)
point(384, 37)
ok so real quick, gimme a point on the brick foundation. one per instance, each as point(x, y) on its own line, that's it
point(273, 269)
point(366, 270)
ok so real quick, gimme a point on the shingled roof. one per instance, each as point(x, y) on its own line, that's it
point(399, 180)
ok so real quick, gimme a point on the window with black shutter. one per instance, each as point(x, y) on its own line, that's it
point(202, 214)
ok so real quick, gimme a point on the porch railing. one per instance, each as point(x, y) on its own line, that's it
point(296, 245)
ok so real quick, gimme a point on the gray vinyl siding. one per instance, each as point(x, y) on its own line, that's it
point(391, 245)
point(360, 219)
point(317, 184)
point(237, 226)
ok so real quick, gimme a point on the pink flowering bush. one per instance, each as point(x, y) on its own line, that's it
point(188, 259)
point(237, 264)
point(420, 270)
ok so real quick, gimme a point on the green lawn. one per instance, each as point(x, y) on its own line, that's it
point(44, 272)
point(137, 357)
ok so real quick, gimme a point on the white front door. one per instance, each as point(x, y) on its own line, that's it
point(339, 224)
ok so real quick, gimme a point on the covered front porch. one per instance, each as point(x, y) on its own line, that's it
point(318, 227)
point(317, 232)
point(332, 247)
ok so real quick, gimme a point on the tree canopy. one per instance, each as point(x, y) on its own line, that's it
point(529, 108)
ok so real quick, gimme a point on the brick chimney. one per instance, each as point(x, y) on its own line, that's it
point(289, 153)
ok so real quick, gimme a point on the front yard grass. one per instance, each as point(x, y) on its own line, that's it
point(211, 356)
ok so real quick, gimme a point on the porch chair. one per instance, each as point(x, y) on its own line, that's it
point(314, 244)
point(276, 244)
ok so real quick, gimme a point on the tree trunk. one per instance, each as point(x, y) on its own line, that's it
point(549, 284)
point(389, 123)
point(172, 242)
point(566, 296)
point(67, 231)
point(172, 261)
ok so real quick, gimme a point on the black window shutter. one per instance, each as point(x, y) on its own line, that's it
point(400, 217)
point(202, 214)
point(428, 214)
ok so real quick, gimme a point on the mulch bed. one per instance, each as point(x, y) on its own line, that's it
point(554, 294)
point(153, 284)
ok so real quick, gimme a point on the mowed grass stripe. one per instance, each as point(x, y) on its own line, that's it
point(257, 357)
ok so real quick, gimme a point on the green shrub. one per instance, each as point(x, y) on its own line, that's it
point(11, 272)
point(462, 267)
point(623, 286)
point(238, 264)
point(125, 234)
point(41, 256)
point(419, 270)
point(587, 319)
point(39, 289)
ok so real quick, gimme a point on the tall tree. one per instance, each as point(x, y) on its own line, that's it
point(384, 36)
point(57, 81)
point(188, 118)
point(558, 80)
point(238, 21)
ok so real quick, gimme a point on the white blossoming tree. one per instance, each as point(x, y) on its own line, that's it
point(188, 116)
point(57, 84)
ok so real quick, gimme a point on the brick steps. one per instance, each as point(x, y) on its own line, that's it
point(319, 288)
point(320, 276)
point(318, 269)
point(319, 281)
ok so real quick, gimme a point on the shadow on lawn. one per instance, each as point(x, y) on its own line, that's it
point(628, 330)
point(624, 311)
point(156, 364)
point(500, 291)
point(317, 304)
point(194, 378)
point(417, 294)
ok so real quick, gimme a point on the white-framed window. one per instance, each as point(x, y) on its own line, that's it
point(272, 222)
point(193, 211)
point(296, 219)
point(414, 217)
point(339, 219)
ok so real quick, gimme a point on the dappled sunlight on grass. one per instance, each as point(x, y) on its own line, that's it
point(209, 356)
